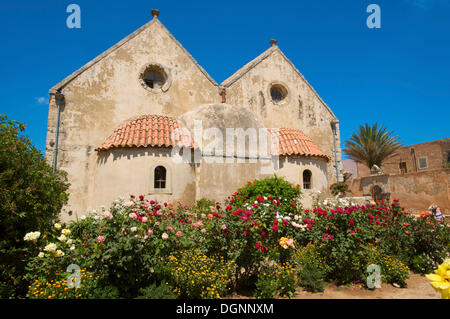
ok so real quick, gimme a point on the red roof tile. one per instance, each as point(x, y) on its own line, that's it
point(293, 142)
point(157, 130)
point(147, 130)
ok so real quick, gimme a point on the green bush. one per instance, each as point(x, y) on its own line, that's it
point(276, 280)
point(276, 188)
point(155, 291)
point(31, 198)
point(311, 268)
point(195, 275)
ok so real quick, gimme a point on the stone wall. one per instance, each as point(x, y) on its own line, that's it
point(416, 191)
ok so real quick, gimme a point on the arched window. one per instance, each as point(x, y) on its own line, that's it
point(160, 177)
point(307, 176)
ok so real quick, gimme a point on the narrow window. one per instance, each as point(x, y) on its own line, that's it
point(403, 168)
point(160, 177)
point(448, 157)
point(307, 179)
point(423, 163)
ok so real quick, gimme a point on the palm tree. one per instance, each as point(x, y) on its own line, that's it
point(372, 145)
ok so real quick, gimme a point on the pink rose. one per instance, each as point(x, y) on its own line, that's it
point(144, 219)
point(203, 230)
point(100, 239)
point(150, 231)
point(132, 215)
point(224, 227)
point(133, 229)
point(164, 236)
point(170, 228)
point(179, 234)
point(108, 215)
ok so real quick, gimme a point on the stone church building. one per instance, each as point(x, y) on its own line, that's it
point(113, 125)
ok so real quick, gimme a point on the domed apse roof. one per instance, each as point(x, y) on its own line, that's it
point(293, 142)
point(221, 116)
point(156, 130)
point(146, 131)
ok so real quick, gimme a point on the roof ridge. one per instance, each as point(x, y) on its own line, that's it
point(253, 63)
point(248, 66)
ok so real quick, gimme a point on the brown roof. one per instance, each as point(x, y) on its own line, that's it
point(147, 130)
point(293, 142)
point(160, 131)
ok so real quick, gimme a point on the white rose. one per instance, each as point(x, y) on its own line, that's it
point(83, 217)
point(69, 242)
point(57, 226)
point(62, 238)
point(41, 255)
point(50, 247)
point(66, 231)
point(32, 236)
point(59, 253)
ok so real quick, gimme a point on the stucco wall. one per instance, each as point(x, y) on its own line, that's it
point(109, 92)
point(122, 172)
point(301, 110)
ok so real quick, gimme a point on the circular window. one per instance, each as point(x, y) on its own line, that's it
point(155, 78)
point(278, 93)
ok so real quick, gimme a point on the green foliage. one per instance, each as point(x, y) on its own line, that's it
point(157, 291)
point(276, 280)
point(272, 187)
point(311, 267)
point(340, 188)
point(59, 288)
point(371, 145)
point(393, 271)
point(195, 275)
point(31, 197)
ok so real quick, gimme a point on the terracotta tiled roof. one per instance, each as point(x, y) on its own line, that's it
point(147, 130)
point(156, 131)
point(293, 142)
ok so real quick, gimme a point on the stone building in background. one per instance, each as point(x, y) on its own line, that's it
point(418, 175)
point(114, 124)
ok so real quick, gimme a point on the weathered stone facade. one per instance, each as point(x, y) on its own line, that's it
point(108, 91)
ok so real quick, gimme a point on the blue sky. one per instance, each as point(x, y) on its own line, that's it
point(398, 75)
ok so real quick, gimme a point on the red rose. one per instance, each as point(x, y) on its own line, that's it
point(258, 245)
point(263, 249)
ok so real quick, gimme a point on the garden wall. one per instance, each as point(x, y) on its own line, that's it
point(416, 191)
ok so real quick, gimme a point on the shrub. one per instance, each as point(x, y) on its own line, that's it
point(339, 188)
point(312, 268)
point(276, 280)
point(31, 197)
point(194, 275)
point(393, 271)
point(157, 291)
point(275, 187)
point(60, 288)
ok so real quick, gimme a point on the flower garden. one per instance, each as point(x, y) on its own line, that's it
point(260, 240)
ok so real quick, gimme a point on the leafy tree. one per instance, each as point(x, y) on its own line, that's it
point(372, 145)
point(31, 197)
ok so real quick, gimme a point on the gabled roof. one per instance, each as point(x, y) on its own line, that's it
point(68, 79)
point(249, 66)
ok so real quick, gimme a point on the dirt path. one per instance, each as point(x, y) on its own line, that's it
point(418, 288)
